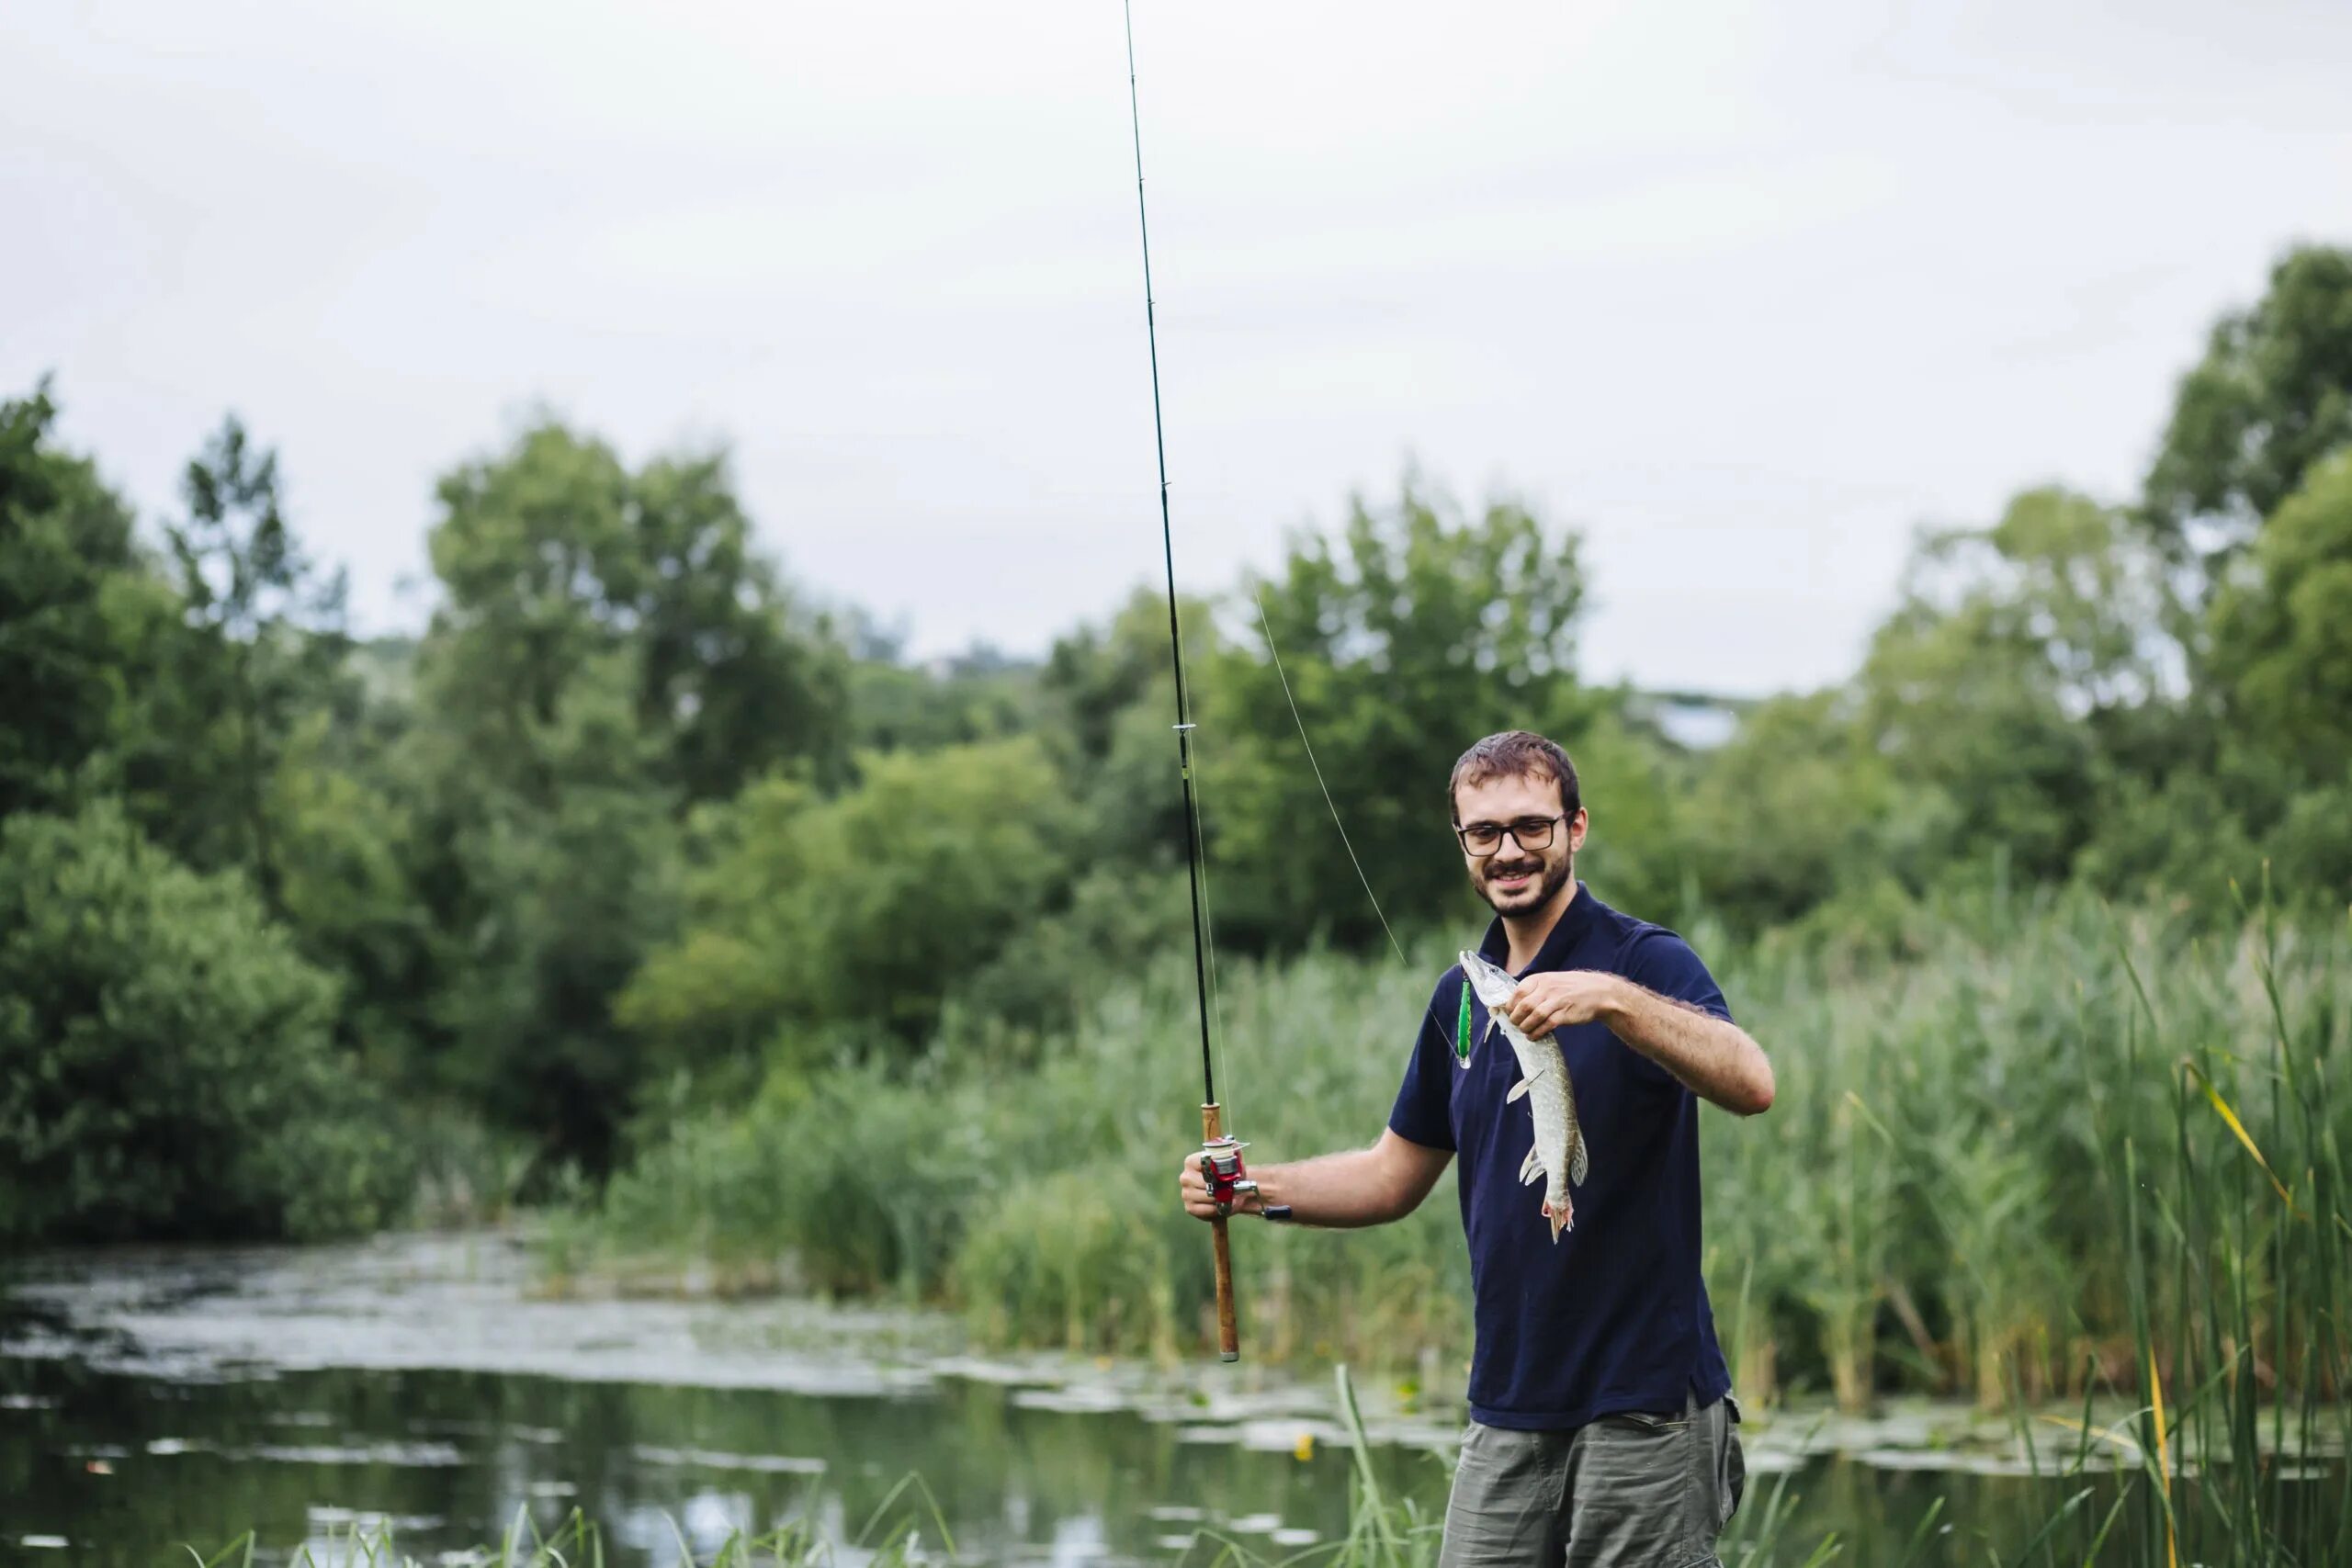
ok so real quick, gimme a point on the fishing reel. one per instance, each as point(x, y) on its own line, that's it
point(1222, 1169)
point(1228, 1179)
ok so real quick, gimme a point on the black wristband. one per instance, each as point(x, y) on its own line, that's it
point(1279, 1212)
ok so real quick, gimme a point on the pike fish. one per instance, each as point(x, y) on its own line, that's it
point(1560, 1153)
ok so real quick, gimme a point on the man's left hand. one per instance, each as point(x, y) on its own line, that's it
point(1561, 997)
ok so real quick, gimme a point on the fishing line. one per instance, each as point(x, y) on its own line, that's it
point(1429, 1010)
point(1267, 626)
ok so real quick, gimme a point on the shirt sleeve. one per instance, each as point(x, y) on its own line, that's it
point(1424, 1110)
point(1659, 961)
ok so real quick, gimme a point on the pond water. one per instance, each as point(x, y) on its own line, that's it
point(155, 1398)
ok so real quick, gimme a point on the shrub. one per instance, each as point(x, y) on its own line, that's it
point(165, 1059)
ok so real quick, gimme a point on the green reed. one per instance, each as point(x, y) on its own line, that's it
point(1935, 1204)
point(893, 1537)
point(2236, 1228)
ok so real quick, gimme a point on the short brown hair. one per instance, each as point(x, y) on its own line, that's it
point(1514, 753)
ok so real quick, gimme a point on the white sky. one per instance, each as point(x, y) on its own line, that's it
point(1744, 290)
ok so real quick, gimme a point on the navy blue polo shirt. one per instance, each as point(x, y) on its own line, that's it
point(1614, 1317)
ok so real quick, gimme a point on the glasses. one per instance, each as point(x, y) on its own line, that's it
point(1482, 838)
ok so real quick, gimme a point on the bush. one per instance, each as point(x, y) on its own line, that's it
point(164, 1060)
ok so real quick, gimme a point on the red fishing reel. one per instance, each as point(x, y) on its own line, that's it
point(1222, 1169)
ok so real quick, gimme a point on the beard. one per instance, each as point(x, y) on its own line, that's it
point(1550, 876)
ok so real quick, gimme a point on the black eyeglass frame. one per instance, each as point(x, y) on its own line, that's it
point(1510, 829)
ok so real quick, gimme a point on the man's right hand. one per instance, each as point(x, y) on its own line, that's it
point(1195, 1190)
point(1359, 1186)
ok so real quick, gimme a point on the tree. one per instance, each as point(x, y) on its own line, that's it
point(563, 895)
point(1415, 632)
point(815, 924)
point(2022, 659)
point(164, 1064)
point(1791, 811)
point(893, 705)
point(1096, 674)
point(2272, 397)
point(76, 605)
point(346, 840)
point(269, 628)
point(553, 554)
point(612, 652)
point(2281, 641)
point(1107, 707)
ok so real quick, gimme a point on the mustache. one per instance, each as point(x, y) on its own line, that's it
point(1520, 868)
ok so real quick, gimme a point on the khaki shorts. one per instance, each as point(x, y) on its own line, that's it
point(1630, 1491)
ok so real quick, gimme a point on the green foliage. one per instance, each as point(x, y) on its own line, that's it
point(802, 912)
point(893, 706)
point(555, 559)
point(1415, 632)
point(632, 832)
point(1931, 1206)
point(1789, 811)
point(2281, 641)
point(74, 610)
point(794, 1181)
point(164, 1058)
point(263, 640)
point(2271, 399)
point(1988, 691)
point(573, 889)
point(344, 840)
point(1040, 1203)
point(1051, 970)
point(612, 652)
point(1638, 792)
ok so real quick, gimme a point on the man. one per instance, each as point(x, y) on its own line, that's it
point(1601, 1423)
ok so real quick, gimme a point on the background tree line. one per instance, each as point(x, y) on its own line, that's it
point(298, 931)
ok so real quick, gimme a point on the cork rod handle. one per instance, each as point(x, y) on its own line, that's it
point(1229, 1331)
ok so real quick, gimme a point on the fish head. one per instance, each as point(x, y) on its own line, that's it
point(1489, 979)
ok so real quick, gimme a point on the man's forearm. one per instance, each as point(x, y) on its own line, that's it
point(1714, 1057)
point(1342, 1190)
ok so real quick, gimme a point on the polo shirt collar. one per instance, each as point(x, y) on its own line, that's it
point(1569, 930)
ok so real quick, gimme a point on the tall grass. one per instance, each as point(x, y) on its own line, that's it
point(1935, 1204)
point(2237, 1238)
point(1043, 1203)
point(893, 1538)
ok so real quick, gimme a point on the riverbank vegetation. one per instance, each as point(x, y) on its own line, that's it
point(644, 884)
point(1931, 1205)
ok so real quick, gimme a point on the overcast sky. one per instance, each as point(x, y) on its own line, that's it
point(1744, 291)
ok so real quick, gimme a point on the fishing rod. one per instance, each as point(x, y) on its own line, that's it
point(1220, 1153)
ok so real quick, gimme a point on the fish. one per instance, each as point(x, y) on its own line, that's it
point(1561, 1153)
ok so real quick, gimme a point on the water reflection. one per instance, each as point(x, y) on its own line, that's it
point(450, 1457)
point(150, 1399)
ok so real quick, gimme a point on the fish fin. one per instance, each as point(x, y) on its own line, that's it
point(1579, 1159)
point(1518, 1090)
point(1565, 1218)
point(1530, 1169)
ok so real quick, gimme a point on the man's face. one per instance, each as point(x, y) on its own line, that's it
point(1516, 879)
